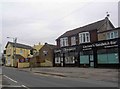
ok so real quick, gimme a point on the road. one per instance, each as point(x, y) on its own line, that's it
point(17, 78)
point(0, 77)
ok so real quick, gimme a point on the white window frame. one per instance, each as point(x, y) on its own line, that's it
point(73, 40)
point(70, 60)
point(21, 51)
point(111, 33)
point(116, 36)
point(84, 37)
point(57, 60)
point(63, 41)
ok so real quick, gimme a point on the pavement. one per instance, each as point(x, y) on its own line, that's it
point(108, 75)
point(0, 81)
point(0, 77)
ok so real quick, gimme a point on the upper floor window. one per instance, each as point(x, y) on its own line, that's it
point(84, 37)
point(63, 41)
point(21, 51)
point(112, 35)
point(8, 50)
point(73, 40)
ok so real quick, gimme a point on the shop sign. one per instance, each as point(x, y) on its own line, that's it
point(69, 49)
point(57, 51)
point(108, 43)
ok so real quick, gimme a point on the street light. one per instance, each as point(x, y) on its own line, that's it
point(14, 47)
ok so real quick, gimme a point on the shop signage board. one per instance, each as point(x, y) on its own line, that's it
point(106, 44)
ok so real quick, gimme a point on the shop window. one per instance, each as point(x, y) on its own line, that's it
point(108, 57)
point(64, 41)
point(85, 57)
point(57, 59)
point(84, 37)
point(70, 60)
point(113, 58)
point(102, 58)
point(70, 57)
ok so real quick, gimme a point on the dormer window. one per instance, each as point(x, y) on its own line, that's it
point(63, 41)
point(112, 35)
point(84, 37)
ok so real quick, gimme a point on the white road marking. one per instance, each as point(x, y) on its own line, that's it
point(13, 81)
point(25, 86)
point(10, 78)
point(59, 77)
point(10, 86)
point(47, 75)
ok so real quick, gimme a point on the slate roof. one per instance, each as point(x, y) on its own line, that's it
point(18, 56)
point(118, 28)
point(51, 46)
point(93, 26)
point(18, 45)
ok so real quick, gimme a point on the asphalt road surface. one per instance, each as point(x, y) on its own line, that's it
point(16, 78)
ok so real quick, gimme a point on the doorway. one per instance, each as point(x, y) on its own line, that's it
point(86, 58)
point(91, 61)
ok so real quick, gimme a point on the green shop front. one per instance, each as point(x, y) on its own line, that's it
point(101, 54)
point(98, 54)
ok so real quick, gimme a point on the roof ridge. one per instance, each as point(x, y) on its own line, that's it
point(92, 26)
point(87, 25)
point(19, 45)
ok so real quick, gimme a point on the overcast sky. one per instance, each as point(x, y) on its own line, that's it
point(34, 21)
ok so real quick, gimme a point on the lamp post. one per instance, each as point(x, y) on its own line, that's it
point(14, 47)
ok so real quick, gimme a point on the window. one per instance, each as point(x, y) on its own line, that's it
point(70, 60)
point(108, 56)
point(87, 37)
point(73, 40)
point(84, 37)
point(116, 34)
point(45, 53)
point(57, 59)
point(112, 35)
point(21, 51)
point(85, 56)
point(64, 41)
point(108, 35)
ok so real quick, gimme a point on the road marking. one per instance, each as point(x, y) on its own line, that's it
point(47, 75)
point(13, 81)
point(10, 86)
point(42, 74)
point(58, 77)
point(10, 78)
point(25, 86)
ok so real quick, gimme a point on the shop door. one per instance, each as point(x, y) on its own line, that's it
point(91, 60)
point(61, 63)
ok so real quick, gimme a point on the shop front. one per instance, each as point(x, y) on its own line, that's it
point(98, 54)
point(66, 57)
point(102, 53)
point(86, 58)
